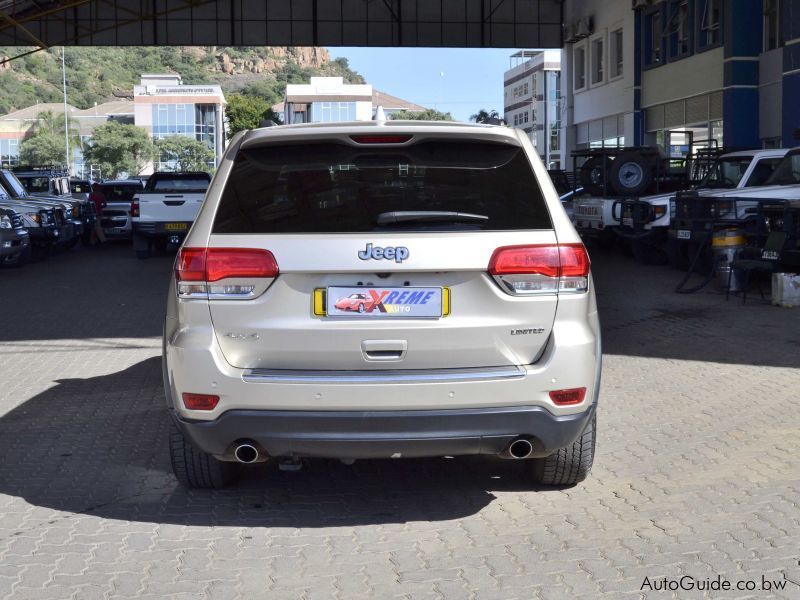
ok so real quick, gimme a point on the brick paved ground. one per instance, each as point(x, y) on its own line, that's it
point(697, 472)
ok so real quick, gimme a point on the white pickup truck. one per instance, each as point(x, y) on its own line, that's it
point(645, 221)
point(163, 212)
point(694, 217)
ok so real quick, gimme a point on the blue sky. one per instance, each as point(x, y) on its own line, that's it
point(473, 77)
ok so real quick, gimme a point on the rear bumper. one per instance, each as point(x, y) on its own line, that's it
point(594, 228)
point(385, 434)
point(373, 413)
point(693, 235)
point(149, 229)
point(655, 234)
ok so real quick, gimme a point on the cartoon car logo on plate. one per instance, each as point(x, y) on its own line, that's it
point(355, 302)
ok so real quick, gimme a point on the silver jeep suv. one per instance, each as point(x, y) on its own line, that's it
point(381, 290)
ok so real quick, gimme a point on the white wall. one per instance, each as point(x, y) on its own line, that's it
point(692, 76)
point(143, 115)
point(364, 111)
point(613, 96)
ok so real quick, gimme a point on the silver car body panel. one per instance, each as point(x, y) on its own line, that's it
point(273, 353)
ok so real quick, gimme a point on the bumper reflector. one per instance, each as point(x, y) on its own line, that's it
point(200, 401)
point(565, 397)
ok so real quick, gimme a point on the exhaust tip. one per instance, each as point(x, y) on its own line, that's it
point(246, 453)
point(520, 448)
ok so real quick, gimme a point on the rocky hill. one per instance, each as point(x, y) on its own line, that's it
point(101, 74)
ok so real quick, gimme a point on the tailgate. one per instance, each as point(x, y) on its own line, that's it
point(477, 324)
point(164, 208)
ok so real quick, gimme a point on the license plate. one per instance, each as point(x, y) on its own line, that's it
point(627, 221)
point(684, 234)
point(175, 226)
point(394, 302)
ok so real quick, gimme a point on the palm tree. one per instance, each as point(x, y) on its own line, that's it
point(50, 123)
point(483, 115)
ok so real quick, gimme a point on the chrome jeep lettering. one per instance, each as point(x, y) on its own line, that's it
point(395, 253)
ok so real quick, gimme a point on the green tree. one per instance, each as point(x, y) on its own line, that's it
point(188, 154)
point(484, 115)
point(247, 112)
point(45, 143)
point(267, 89)
point(118, 148)
point(43, 149)
point(428, 114)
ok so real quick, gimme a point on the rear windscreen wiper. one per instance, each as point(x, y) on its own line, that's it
point(408, 216)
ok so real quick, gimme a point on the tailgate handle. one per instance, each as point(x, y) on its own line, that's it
point(174, 202)
point(384, 350)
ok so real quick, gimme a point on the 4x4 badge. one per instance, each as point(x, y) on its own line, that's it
point(395, 253)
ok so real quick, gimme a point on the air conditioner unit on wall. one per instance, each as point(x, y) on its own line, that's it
point(584, 27)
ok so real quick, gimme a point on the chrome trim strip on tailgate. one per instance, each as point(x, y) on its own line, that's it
point(397, 376)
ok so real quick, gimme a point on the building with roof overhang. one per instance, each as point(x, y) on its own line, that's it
point(161, 104)
point(165, 106)
point(326, 99)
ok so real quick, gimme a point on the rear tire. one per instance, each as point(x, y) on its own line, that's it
point(570, 465)
point(196, 469)
point(593, 173)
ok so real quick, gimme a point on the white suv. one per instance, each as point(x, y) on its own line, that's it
point(381, 290)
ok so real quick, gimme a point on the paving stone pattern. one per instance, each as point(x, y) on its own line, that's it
point(697, 470)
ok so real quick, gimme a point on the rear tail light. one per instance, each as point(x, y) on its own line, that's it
point(134, 208)
point(567, 397)
point(201, 272)
point(200, 401)
point(541, 269)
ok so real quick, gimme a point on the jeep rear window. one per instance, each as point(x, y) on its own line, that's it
point(337, 188)
point(178, 182)
point(120, 192)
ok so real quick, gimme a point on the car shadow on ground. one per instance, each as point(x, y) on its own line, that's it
point(98, 446)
